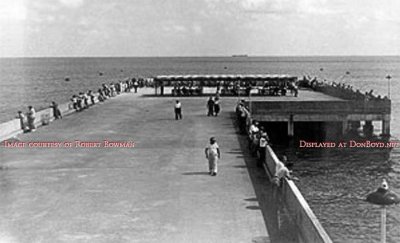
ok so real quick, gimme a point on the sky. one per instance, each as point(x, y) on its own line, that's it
point(64, 28)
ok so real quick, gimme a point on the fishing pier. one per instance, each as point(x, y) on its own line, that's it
point(159, 189)
point(295, 108)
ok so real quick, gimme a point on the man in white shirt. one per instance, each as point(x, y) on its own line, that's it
point(254, 128)
point(178, 110)
point(213, 155)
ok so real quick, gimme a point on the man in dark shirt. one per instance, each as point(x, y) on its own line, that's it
point(210, 106)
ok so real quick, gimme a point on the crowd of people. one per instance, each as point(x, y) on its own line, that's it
point(235, 88)
point(340, 90)
point(27, 120)
point(258, 140)
point(258, 137)
point(186, 90)
point(83, 100)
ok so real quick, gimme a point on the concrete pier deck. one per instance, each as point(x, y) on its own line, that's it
point(159, 191)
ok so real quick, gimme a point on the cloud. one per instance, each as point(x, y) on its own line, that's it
point(286, 7)
point(195, 27)
point(71, 3)
point(12, 10)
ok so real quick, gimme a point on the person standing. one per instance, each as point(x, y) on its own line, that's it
point(178, 110)
point(56, 111)
point(22, 121)
point(135, 85)
point(31, 118)
point(242, 117)
point(253, 136)
point(210, 106)
point(217, 107)
point(213, 155)
point(261, 148)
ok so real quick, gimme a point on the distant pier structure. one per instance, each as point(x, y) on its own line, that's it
point(317, 111)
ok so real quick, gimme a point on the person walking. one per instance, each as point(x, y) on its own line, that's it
point(178, 110)
point(210, 106)
point(213, 155)
point(217, 107)
point(31, 118)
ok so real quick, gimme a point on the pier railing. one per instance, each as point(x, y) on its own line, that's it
point(43, 117)
point(293, 205)
point(322, 107)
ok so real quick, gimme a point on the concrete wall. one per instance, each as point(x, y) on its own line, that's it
point(308, 228)
point(43, 117)
point(321, 107)
point(10, 129)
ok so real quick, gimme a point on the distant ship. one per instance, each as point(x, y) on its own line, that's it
point(243, 55)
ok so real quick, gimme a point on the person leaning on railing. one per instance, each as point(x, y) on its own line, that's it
point(282, 170)
point(262, 146)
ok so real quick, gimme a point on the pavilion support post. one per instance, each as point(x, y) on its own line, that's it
point(290, 127)
point(345, 126)
point(368, 129)
point(386, 127)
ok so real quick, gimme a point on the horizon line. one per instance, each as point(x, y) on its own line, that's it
point(243, 56)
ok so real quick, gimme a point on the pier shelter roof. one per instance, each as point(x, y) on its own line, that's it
point(212, 80)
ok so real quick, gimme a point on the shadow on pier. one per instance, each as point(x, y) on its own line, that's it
point(276, 219)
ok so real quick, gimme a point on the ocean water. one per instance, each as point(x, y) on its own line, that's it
point(334, 183)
